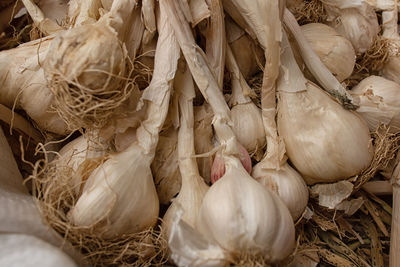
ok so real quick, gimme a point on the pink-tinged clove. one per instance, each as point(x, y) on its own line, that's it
point(218, 167)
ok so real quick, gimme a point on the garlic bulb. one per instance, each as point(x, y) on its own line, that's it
point(119, 196)
point(287, 183)
point(246, 116)
point(324, 141)
point(248, 126)
point(335, 51)
point(193, 187)
point(391, 69)
point(266, 228)
point(23, 79)
point(379, 101)
point(358, 24)
point(86, 68)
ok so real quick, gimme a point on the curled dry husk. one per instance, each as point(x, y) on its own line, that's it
point(287, 184)
point(323, 141)
point(379, 101)
point(356, 21)
point(23, 84)
point(87, 69)
point(335, 51)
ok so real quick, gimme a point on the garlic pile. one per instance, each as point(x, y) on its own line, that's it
point(197, 112)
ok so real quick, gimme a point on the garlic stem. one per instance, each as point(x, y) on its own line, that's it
point(263, 16)
point(202, 74)
point(149, 19)
point(216, 40)
point(240, 88)
point(389, 22)
point(315, 65)
point(45, 25)
point(394, 257)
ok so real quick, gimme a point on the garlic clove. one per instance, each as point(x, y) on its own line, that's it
point(379, 101)
point(287, 184)
point(244, 217)
point(335, 51)
point(218, 167)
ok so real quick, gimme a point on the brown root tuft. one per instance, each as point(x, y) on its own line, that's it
point(386, 146)
point(309, 11)
point(372, 61)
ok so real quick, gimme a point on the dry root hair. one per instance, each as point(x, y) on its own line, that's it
point(56, 193)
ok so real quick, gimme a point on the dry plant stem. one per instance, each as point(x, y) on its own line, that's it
point(149, 20)
point(241, 91)
point(315, 65)
point(378, 188)
point(45, 25)
point(193, 187)
point(202, 75)
point(233, 12)
point(18, 122)
point(216, 40)
point(264, 17)
point(389, 22)
point(87, 13)
point(134, 34)
point(394, 257)
point(381, 5)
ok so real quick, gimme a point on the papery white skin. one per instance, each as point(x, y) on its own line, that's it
point(248, 126)
point(379, 101)
point(325, 142)
point(288, 184)
point(360, 28)
point(190, 249)
point(123, 203)
point(335, 51)
point(23, 81)
point(244, 217)
point(246, 116)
